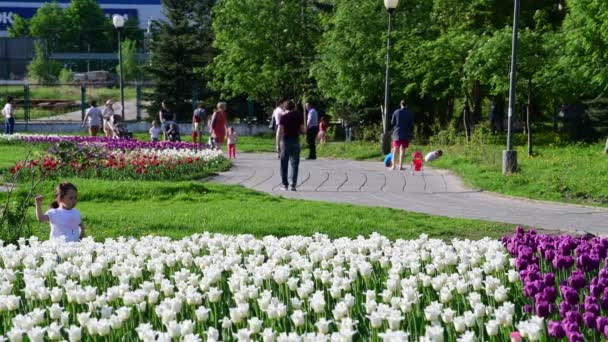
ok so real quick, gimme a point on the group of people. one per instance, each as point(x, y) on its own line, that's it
point(402, 122)
point(112, 124)
point(217, 125)
point(289, 125)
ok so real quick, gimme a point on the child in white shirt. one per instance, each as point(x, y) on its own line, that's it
point(154, 131)
point(64, 219)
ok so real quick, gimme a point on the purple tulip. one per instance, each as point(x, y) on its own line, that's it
point(589, 319)
point(550, 294)
point(601, 323)
point(570, 295)
point(574, 316)
point(575, 336)
point(543, 309)
point(556, 330)
point(564, 308)
point(577, 280)
point(596, 290)
point(549, 279)
point(571, 326)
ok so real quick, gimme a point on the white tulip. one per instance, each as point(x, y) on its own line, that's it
point(323, 326)
point(74, 333)
point(36, 334)
point(492, 327)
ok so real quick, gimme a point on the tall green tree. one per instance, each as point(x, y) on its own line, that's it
point(180, 49)
point(265, 48)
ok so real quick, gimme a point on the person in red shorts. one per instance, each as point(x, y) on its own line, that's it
point(403, 126)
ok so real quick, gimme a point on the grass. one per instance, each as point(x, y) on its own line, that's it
point(10, 153)
point(177, 209)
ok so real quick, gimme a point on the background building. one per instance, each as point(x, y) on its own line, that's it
point(143, 10)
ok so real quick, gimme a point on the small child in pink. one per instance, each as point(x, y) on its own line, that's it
point(231, 137)
point(323, 131)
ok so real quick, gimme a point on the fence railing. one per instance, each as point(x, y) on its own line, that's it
point(69, 102)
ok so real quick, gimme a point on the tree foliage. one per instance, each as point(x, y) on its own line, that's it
point(180, 47)
point(265, 48)
point(131, 67)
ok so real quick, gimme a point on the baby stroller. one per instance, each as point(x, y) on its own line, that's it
point(173, 132)
point(119, 128)
point(417, 162)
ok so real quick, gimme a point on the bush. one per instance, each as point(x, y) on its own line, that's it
point(41, 69)
point(65, 76)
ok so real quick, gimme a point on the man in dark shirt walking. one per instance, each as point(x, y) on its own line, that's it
point(403, 126)
point(291, 125)
point(312, 130)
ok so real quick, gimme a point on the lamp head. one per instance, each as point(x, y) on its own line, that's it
point(118, 21)
point(391, 5)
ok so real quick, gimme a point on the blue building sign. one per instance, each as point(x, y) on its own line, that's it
point(141, 10)
point(7, 14)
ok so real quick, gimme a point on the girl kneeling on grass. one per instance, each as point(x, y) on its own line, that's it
point(64, 219)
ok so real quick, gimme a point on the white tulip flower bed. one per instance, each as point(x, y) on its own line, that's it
point(239, 288)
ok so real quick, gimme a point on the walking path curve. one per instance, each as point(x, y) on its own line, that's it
point(435, 192)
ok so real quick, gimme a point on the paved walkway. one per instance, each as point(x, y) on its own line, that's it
point(435, 192)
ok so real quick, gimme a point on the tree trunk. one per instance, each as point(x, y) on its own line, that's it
point(465, 118)
point(606, 147)
point(528, 109)
point(477, 103)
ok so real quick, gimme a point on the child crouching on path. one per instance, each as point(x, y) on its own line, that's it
point(64, 219)
point(231, 143)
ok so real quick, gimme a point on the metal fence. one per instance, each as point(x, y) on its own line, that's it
point(69, 102)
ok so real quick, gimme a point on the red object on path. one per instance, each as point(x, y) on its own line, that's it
point(417, 161)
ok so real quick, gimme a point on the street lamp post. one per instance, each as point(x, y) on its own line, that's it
point(119, 23)
point(509, 156)
point(390, 5)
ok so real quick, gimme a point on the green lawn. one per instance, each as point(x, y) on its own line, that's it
point(177, 209)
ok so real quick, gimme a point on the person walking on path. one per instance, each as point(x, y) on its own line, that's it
point(9, 119)
point(166, 118)
point(94, 118)
point(403, 126)
point(108, 114)
point(218, 125)
point(291, 125)
point(312, 129)
point(276, 114)
point(198, 119)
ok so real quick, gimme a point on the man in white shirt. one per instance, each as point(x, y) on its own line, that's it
point(8, 112)
point(94, 117)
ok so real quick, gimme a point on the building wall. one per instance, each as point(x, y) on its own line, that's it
point(143, 10)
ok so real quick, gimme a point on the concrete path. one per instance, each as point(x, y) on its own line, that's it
point(435, 192)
